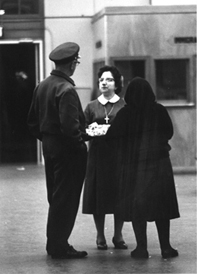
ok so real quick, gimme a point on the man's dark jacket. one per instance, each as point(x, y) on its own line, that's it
point(56, 109)
point(56, 118)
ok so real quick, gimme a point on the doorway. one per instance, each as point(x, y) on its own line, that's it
point(18, 73)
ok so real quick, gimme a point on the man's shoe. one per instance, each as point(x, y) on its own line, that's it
point(52, 248)
point(69, 253)
point(169, 253)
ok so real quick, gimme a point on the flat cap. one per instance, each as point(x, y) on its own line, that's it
point(64, 53)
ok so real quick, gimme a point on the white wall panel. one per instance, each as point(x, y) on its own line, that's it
point(173, 2)
point(69, 8)
point(72, 30)
point(100, 4)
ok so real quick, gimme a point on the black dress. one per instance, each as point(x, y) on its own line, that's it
point(99, 191)
point(142, 172)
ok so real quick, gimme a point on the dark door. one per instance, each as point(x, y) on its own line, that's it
point(17, 82)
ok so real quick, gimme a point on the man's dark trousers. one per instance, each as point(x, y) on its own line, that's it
point(65, 166)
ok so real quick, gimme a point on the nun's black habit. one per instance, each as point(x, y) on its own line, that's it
point(143, 176)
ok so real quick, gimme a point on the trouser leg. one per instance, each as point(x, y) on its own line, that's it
point(49, 178)
point(69, 172)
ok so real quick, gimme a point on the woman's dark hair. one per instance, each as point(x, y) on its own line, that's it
point(116, 75)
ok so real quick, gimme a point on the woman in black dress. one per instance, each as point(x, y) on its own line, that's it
point(99, 192)
point(146, 190)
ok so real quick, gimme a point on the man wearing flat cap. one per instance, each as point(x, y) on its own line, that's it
point(56, 118)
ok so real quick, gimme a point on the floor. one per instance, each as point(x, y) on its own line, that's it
point(23, 214)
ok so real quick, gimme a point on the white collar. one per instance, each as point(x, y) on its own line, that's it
point(104, 101)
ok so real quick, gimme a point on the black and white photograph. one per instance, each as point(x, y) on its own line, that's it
point(98, 150)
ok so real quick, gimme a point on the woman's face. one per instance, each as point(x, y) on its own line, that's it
point(107, 83)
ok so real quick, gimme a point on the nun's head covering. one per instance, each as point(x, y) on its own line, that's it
point(139, 93)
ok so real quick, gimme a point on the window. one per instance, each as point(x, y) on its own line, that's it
point(130, 69)
point(172, 79)
point(19, 7)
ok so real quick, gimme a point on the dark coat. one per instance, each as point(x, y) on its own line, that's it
point(99, 195)
point(57, 119)
point(143, 174)
point(56, 110)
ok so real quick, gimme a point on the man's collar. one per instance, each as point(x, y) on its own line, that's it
point(63, 75)
point(104, 101)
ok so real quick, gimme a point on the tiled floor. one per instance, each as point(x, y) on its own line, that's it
point(23, 214)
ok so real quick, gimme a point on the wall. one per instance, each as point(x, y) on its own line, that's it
point(183, 143)
point(70, 20)
point(150, 32)
point(144, 30)
point(87, 7)
point(100, 4)
point(125, 28)
point(173, 2)
point(65, 8)
point(60, 29)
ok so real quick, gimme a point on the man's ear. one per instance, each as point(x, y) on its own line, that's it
point(72, 65)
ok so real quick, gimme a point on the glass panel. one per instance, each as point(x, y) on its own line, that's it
point(10, 6)
point(20, 6)
point(171, 79)
point(130, 69)
point(29, 7)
